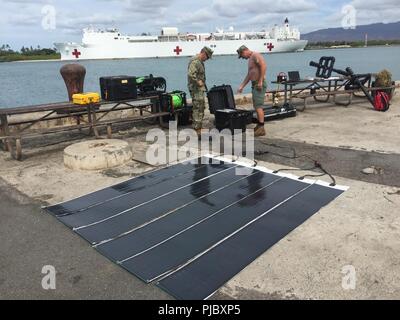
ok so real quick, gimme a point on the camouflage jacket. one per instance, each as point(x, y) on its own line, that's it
point(196, 72)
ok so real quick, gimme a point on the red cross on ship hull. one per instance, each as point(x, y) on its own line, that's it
point(270, 46)
point(76, 53)
point(178, 50)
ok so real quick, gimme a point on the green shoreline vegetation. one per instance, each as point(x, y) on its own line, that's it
point(27, 54)
point(350, 44)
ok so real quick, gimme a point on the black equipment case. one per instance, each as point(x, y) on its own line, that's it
point(118, 88)
point(273, 113)
point(222, 104)
point(221, 97)
point(232, 119)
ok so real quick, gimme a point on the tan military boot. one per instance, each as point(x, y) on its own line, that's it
point(259, 131)
point(198, 131)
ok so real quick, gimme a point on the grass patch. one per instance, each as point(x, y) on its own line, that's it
point(22, 57)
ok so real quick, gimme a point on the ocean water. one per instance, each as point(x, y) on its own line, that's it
point(27, 83)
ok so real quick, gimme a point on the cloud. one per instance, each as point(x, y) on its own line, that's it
point(26, 1)
point(367, 12)
point(22, 18)
point(137, 16)
point(147, 8)
point(375, 5)
point(199, 16)
point(235, 8)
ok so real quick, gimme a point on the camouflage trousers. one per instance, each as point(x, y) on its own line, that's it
point(199, 105)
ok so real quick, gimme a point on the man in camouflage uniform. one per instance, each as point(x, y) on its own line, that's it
point(197, 86)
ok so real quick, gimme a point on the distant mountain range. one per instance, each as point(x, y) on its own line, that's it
point(377, 31)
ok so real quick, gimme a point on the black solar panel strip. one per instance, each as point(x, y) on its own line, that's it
point(157, 209)
point(147, 180)
point(116, 207)
point(158, 231)
point(185, 245)
point(208, 272)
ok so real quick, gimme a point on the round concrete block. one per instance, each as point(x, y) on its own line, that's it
point(97, 155)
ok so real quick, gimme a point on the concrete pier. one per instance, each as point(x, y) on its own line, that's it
point(359, 229)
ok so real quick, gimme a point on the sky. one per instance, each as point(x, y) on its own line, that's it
point(43, 22)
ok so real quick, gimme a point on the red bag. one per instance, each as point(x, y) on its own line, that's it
point(382, 101)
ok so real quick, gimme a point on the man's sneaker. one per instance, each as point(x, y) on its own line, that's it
point(259, 131)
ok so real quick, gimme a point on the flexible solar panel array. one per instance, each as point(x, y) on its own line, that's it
point(193, 226)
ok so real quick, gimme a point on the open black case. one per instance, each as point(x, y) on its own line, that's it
point(222, 104)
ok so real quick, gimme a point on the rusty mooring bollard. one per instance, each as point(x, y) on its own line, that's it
point(74, 78)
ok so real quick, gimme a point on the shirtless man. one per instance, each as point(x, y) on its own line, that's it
point(256, 74)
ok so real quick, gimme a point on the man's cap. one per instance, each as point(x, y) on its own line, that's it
point(240, 50)
point(208, 52)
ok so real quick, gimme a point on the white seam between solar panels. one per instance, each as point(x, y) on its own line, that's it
point(185, 162)
point(172, 271)
point(147, 202)
point(263, 169)
point(122, 195)
point(281, 174)
point(197, 223)
point(171, 212)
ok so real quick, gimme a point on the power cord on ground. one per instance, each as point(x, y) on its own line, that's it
point(317, 164)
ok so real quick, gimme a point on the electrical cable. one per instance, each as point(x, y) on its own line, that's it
point(317, 164)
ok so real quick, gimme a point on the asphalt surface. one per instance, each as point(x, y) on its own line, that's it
point(339, 162)
point(31, 239)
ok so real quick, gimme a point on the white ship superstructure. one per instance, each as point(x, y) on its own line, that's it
point(111, 44)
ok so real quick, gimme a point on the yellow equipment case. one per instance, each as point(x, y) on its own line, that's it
point(86, 98)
